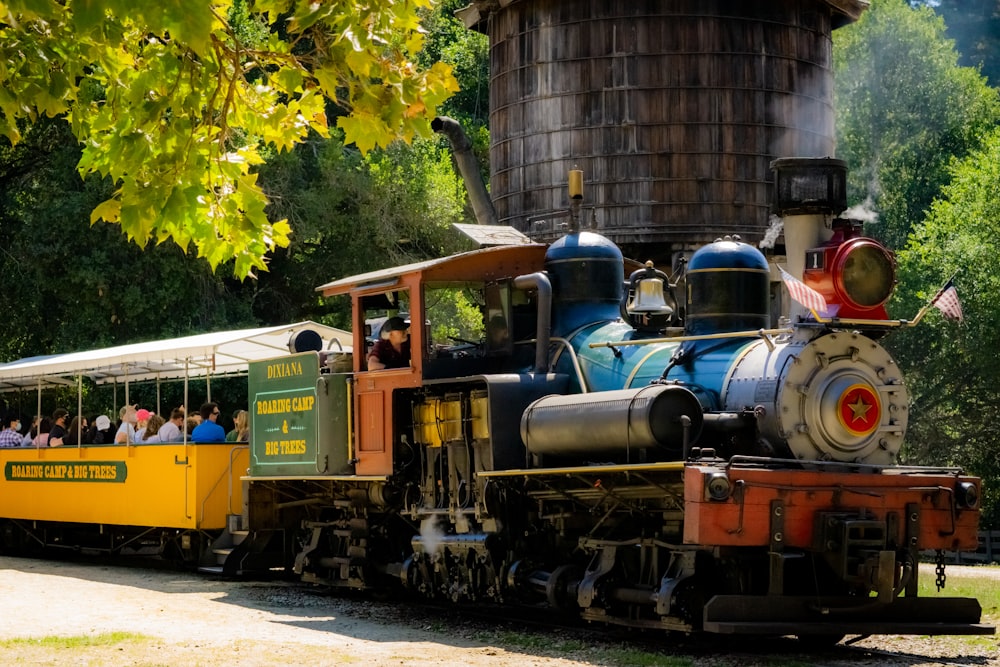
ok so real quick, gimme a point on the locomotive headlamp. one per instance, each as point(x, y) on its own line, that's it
point(967, 495)
point(863, 273)
point(852, 271)
point(718, 486)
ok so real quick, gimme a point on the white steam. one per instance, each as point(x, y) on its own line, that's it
point(775, 226)
point(863, 212)
point(431, 535)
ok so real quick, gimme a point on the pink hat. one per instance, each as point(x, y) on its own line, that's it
point(143, 414)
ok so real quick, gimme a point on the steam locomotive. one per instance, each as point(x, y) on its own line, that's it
point(642, 449)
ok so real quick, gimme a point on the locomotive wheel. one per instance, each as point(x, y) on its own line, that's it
point(556, 588)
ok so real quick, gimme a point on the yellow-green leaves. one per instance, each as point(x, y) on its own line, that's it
point(174, 101)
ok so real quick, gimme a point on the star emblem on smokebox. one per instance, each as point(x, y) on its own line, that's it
point(860, 409)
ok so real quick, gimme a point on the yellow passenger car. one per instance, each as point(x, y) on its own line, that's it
point(168, 499)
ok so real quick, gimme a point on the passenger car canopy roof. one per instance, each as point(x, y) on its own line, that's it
point(218, 353)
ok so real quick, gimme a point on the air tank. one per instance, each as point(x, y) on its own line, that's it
point(673, 110)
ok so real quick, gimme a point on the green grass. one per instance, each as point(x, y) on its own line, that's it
point(75, 642)
point(529, 640)
point(636, 658)
point(967, 584)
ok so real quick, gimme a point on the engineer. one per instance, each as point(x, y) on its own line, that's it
point(392, 351)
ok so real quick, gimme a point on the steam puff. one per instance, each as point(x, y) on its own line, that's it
point(863, 212)
point(431, 535)
point(775, 225)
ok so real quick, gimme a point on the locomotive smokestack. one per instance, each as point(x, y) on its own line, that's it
point(468, 168)
point(808, 194)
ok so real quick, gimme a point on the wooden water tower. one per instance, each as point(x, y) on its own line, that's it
point(673, 109)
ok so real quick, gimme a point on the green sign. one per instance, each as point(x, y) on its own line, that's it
point(66, 471)
point(283, 409)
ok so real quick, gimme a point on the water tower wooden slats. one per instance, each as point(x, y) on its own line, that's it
point(673, 110)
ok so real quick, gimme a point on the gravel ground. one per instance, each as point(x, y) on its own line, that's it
point(173, 618)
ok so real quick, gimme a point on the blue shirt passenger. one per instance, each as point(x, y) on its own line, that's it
point(208, 430)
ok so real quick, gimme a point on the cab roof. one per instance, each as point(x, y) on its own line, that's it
point(486, 264)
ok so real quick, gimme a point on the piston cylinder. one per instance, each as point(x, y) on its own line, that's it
point(613, 421)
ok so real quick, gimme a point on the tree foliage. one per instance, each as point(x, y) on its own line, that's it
point(67, 286)
point(174, 102)
point(953, 369)
point(975, 27)
point(354, 213)
point(904, 109)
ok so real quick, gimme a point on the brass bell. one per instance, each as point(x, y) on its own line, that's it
point(649, 298)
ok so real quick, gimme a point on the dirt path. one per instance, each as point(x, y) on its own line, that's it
point(176, 618)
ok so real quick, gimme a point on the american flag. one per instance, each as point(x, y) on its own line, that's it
point(802, 293)
point(947, 301)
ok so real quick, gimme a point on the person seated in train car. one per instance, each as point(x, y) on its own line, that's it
point(171, 431)
point(29, 437)
point(142, 416)
point(241, 427)
point(78, 433)
point(11, 434)
point(209, 430)
point(126, 432)
point(60, 420)
point(392, 351)
point(101, 432)
point(42, 439)
point(191, 423)
point(151, 434)
point(231, 433)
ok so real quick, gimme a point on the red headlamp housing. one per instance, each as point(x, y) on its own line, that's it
point(852, 271)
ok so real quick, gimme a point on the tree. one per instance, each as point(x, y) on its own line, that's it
point(354, 213)
point(67, 287)
point(975, 27)
point(952, 370)
point(174, 103)
point(904, 109)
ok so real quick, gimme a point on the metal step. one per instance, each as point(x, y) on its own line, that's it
point(221, 554)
